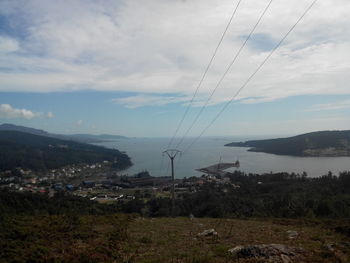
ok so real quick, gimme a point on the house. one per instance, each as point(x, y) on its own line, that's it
point(88, 184)
point(70, 187)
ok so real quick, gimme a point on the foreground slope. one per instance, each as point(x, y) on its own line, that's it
point(36, 228)
point(322, 143)
point(35, 152)
point(121, 238)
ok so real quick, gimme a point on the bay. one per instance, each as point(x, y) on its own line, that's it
point(146, 154)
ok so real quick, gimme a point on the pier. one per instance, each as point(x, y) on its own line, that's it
point(218, 169)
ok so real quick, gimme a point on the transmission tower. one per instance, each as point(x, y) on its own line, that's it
point(172, 154)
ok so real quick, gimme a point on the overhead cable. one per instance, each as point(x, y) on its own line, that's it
point(250, 77)
point(205, 73)
point(225, 73)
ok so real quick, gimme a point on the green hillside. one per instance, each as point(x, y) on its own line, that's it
point(323, 143)
point(35, 228)
point(19, 149)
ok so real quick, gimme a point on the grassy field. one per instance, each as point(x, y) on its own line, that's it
point(176, 240)
point(127, 239)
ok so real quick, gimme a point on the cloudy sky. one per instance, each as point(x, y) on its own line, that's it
point(131, 67)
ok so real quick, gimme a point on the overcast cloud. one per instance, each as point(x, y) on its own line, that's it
point(155, 48)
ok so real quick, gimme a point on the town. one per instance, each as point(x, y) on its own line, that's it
point(100, 182)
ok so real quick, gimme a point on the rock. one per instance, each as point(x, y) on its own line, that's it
point(292, 234)
point(235, 250)
point(208, 232)
point(330, 247)
point(271, 252)
point(285, 259)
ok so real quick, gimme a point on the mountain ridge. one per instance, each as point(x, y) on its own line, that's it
point(329, 143)
point(85, 138)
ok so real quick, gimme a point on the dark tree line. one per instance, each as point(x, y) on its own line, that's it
point(267, 195)
point(15, 203)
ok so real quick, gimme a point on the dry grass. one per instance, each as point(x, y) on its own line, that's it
point(175, 240)
point(132, 239)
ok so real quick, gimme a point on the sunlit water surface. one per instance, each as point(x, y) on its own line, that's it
point(146, 154)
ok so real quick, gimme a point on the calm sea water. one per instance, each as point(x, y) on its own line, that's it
point(146, 155)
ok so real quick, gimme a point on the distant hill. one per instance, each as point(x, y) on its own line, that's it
point(85, 138)
point(12, 127)
point(19, 149)
point(101, 137)
point(322, 143)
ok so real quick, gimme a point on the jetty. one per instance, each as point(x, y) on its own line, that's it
point(218, 169)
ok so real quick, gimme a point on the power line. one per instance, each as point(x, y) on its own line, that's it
point(200, 82)
point(204, 74)
point(251, 76)
point(225, 73)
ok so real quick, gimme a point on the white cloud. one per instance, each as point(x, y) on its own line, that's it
point(339, 105)
point(8, 112)
point(79, 123)
point(147, 100)
point(256, 100)
point(162, 47)
point(8, 45)
point(49, 115)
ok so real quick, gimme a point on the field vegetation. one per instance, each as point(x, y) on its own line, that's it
point(308, 214)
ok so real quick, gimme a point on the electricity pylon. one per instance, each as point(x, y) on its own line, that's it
point(172, 154)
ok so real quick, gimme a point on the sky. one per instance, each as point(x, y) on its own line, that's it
point(131, 67)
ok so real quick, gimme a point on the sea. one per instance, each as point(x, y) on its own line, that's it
point(146, 155)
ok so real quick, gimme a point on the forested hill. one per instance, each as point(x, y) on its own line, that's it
point(322, 143)
point(35, 152)
point(83, 138)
